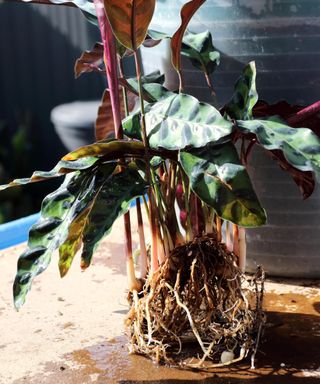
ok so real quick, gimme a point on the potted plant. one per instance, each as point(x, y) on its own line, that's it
point(280, 36)
point(180, 152)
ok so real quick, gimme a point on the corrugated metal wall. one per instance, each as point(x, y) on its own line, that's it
point(38, 46)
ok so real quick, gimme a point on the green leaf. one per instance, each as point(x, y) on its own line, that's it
point(221, 181)
point(62, 168)
point(245, 94)
point(112, 201)
point(198, 47)
point(151, 92)
point(180, 121)
point(300, 146)
point(58, 210)
point(72, 243)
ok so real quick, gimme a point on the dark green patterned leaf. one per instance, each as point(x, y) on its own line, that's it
point(58, 210)
point(221, 181)
point(112, 201)
point(62, 168)
point(152, 87)
point(72, 243)
point(56, 226)
point(245, 94)
point(198, 47)
point(300, 146)
point(180, 121)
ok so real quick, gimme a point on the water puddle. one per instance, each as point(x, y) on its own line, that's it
point(289, 354)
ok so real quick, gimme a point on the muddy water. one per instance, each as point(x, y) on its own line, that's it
point(289, 354)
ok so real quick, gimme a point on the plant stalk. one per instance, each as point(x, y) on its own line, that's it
point(110, 60)
point(154, 236)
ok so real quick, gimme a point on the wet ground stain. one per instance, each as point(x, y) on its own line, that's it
point(289, 354)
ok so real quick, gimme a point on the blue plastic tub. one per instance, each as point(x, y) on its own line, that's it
point(16, 231)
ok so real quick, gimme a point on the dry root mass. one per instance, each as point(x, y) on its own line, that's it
point(198, 310)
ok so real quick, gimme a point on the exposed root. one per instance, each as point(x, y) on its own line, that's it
point(197, 305)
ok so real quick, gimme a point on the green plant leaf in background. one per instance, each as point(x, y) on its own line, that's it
point(198, 47)
point(245, 94)
point(179, 121)
point(300, 146)
point(112, 201)
point(221, 181)
point(152, 87)
point(129, 20)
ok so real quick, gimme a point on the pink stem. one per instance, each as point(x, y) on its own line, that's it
point(304, 113)
point(110, 59)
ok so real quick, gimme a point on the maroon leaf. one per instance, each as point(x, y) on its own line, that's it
point(304, 180)
point(90, 61)
point(187, 11)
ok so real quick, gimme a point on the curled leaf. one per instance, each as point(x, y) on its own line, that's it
point(300, 146)
point(187, 11)
point(245, 94)
point(90, 61)
point(198, 47)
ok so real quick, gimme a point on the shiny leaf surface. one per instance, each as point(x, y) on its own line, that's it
point(114, 149)
point(198, 47)
point(129, 20)
point(300, 146)
point(180, 121)
point(58, 210)
point(113, 200)
point(73, 241)
point(62, 168)
point(221, 181)
point(245, 94)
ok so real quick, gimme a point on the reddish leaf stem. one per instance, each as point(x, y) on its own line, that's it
point(304, 114)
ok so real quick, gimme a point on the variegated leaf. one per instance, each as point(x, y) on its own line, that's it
point(245, 94)
point(58, 210)
point(62, 168)
point(221, 181)
point(300, 146)
point(198, 47)
point(112, 201)
point(180, 121)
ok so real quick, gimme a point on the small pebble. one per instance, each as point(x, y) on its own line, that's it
point(227, 356)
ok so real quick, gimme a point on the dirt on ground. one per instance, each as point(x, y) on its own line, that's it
point(71, 331)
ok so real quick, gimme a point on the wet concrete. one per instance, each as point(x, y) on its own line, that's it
point(289, 354)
